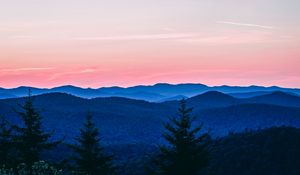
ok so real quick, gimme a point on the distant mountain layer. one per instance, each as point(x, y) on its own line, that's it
point(123, 120)
point(155, 93)
point(6, 95)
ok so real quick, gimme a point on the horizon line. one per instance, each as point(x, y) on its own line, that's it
point(153, 84)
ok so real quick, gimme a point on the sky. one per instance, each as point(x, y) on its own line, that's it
point(95, 43)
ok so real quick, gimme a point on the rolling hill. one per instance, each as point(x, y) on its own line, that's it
point(123, 120)
point(277, 98)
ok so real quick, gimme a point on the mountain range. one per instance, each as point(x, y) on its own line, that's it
point(153, 93)
point(126, 121)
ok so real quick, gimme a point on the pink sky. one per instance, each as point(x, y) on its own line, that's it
point(105, 43)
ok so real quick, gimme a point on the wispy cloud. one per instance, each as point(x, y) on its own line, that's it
point(21, 36)
point(169, 29)
point(74, 72)
point(5, 29)
point(246, 24)
point(88, 70)
point(233, 38)
point(26, 69)
point(139, 37)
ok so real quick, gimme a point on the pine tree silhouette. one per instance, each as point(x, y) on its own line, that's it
point(91, 158)
point(6, 143)
point(186, 152)
point(31, 138)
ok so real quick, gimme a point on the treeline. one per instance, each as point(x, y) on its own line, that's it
point(272, 151)
point(188, 150)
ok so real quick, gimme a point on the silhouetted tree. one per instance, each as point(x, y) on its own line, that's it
point(186, 152)
point(31, 138)
point(91, 158)
point(6, 143)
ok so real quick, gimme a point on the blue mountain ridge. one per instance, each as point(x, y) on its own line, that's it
point(154, 93)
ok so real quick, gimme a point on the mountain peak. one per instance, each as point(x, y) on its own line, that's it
point(278, 94)
point(277, 98)
point(23, 87)
point(67, 87)
point(215, 94)
point(212, 98)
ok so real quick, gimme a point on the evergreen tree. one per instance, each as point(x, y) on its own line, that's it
point(91, 158)
point(6, 143)
point(186, 152)
point(31, 138)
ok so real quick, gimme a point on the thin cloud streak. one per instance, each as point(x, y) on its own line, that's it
point(246, 24)
point(27, 69)
point(21, 36)
point(74, 72)
point(140, 37)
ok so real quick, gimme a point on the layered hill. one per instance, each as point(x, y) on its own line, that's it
point(154, 93)
point(123, 120)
